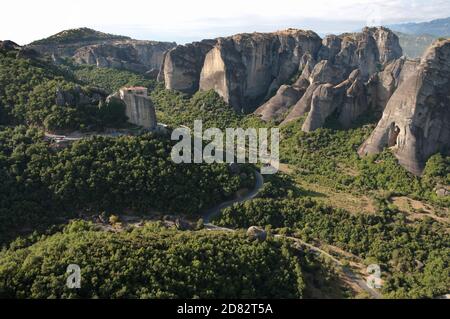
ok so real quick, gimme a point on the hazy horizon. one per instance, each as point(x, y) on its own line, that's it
point(183, 22)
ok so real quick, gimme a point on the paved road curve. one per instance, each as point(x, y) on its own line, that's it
point(213, 212)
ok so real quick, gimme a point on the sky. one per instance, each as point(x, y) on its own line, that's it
point(190, 20)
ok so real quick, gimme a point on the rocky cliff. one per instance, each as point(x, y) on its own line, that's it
point(132, 55)
point(104, 50)
point(416, 120)
point(138, 107)
point(247, 69)
point(348, 78)
point(244, 69)
point(182, 66)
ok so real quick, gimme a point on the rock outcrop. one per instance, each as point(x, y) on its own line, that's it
point(345, 80)
point(303, 105)
point(78, 96)
point(183, 64)
point(256, 233)
point(347, 100)
point(416, 120)
point(104, 50)
point(248, 69)
point(138, 107)
point(132, 55)
point(278, 105)
point(383, 84)
point(244, 69)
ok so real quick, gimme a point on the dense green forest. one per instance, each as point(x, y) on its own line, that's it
point(34, 92)
point(328, 156)
point(110, 80)
point(102, 174)
point(43, 186)
point(150, 262)
point(416, 255)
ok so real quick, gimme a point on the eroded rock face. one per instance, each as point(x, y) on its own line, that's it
point(183, 64)
point(346, 64)
point(138, 107)
point(326, 72)
point(347, 99)
point(354, 102)
point(382, 85)
point(388, 44)
point(303, 105)
point(79, 96)
point(246, 68)
point(243, 69)
point(323, 103)
point(132, 55)
point(416, 120)
point(286, 97)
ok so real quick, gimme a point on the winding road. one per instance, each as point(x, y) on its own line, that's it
point(214, 211)
point(348, 273)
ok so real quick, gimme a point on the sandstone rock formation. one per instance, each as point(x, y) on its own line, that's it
point(243, 69)
point(105, 50)
point(132, 55)
point(303, 105)
point(354, 100)
point(285, 97)
point(348, 99)
point(416, 120)
point(345, 80)
point(182, 65)
point(382, 85)
point(247, 69)
point(138, 107)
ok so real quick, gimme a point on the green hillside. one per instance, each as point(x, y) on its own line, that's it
point(150, 262)
point(77, 35)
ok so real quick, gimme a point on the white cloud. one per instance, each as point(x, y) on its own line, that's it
point(181, 20)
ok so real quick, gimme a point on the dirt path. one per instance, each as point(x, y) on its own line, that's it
point(415, 209)
point(349, 276)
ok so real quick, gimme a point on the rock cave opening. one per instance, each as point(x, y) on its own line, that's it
point(395, 131)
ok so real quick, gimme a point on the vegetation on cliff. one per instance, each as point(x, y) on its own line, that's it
point(328, 156)
point(29, 91)
point(110, 80)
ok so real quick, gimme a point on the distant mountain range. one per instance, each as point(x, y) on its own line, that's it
point(437, 28)
point(415, 45)
point(416, 37)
